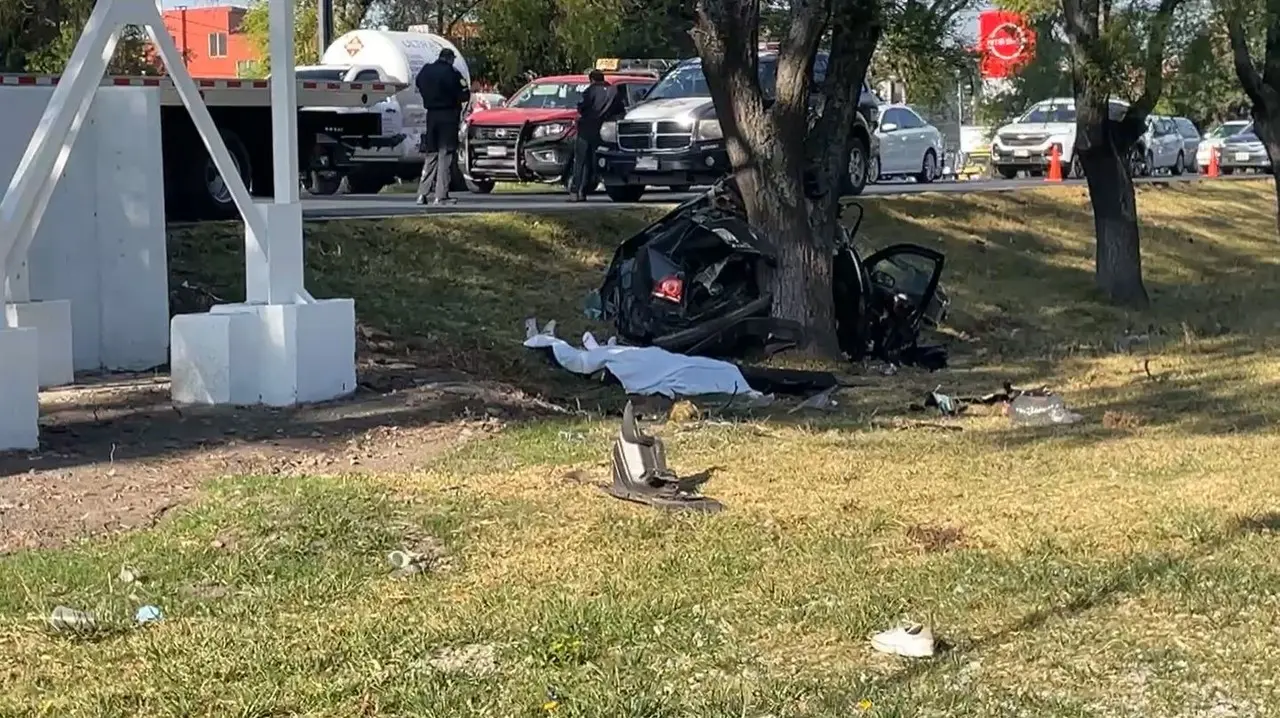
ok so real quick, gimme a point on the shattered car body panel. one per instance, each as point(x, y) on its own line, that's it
point(695, 282)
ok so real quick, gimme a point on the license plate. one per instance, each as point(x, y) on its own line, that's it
point(1242, 157)
point(495, 151)
point(1021, 153)
point(647, 163)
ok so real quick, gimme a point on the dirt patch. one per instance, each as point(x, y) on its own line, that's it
point(932, 538)
point(116, 454)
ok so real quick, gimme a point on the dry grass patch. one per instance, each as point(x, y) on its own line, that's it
point(1125, 565)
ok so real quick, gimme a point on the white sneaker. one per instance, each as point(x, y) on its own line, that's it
point(912, 640)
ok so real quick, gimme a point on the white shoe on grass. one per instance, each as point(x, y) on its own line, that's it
point(911, 640)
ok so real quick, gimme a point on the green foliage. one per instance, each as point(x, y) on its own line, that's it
point(921, 47)
point(39, 37)
point(1204, 86)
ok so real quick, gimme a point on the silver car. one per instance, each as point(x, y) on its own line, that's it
point(1244, 151)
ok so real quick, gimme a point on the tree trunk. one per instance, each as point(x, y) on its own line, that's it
point(1115, 221)
point(1266, 123)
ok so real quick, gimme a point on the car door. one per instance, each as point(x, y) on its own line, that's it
point(913, 272)
point(1170, 142)
point(909, 137)
point(892, 151)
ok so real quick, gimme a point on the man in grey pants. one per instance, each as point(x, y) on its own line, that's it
point(445, 95)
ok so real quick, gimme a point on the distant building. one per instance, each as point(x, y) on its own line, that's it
point(210, 40)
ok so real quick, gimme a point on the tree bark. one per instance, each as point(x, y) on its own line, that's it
point(771, 146)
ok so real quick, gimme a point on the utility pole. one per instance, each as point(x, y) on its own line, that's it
point(324, 15)
point(186, 53)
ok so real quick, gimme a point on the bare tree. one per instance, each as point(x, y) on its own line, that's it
point(1105, 141)
point(772, 142)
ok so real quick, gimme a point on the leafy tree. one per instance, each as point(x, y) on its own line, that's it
point(523, 39)
point(922, 47)
point(39, 36)
point(1261, 85)
point(1117, 52)
point(772, 142)
point(1202, 86)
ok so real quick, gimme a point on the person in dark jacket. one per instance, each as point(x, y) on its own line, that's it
point(445, 95)
point(600, 103)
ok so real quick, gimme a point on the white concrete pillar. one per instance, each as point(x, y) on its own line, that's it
point(19, 397)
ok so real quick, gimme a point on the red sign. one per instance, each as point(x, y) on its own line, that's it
point(1005, 43)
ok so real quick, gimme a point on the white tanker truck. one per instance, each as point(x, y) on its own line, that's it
point(389, 57)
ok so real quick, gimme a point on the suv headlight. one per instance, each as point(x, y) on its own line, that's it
point(707, 131)
point(550, 129)
point(609, 132)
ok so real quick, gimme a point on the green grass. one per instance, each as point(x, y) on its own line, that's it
point(1125, 566)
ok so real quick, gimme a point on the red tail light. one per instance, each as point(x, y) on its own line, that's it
point(670, 288)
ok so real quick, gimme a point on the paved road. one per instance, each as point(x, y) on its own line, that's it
point(395, 205)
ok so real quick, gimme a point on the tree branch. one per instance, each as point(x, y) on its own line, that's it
point(726, 33)
point(795, 63)
point(1246, 70)
point(1153, 65)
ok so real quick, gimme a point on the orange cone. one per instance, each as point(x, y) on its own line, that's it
point(1213, 162)
point(1055, 166)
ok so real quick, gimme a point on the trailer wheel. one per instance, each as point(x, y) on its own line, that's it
point(480, 186)
point(323, 183)
point(208, 194)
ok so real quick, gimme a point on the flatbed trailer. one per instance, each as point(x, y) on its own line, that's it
point(343, 120)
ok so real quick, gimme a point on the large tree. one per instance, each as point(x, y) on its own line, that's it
point(347, 15)
point(1261, 85)
point(772, 142)
point(1104, 38)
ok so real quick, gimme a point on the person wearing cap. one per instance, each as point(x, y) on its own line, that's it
point(445, 94)
point(600, 103)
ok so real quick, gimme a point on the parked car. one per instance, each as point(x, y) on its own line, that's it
point(1027, 143)
point(1160, 148)
point(1190, 143)
point(673, 139)
point(1244, 151)
point(530, 137)
point(1213, 139)
point(909, 146)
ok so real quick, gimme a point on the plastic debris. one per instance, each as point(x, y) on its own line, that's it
point(147, 614)
point(945, 404)
point(71, 620)
point(1049, 410)
point(129, 575)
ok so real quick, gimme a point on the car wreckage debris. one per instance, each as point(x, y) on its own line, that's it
point(641, 475)
point(691, 283)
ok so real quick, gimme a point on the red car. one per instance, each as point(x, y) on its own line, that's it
point(530, 138)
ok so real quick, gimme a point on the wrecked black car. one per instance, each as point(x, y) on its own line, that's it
point(694, 282)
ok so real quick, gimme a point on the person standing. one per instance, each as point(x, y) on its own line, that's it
point(445, 95)
point(600, 103)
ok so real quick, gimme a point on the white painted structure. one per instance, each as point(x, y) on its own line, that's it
point(101, 243)
point(281, 346)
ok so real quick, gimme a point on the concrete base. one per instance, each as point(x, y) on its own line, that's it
point(273, 354)
point(52, 321)
point(19, 395)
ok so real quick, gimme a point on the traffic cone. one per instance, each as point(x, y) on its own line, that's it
point(1213, 162)
point(1055, 166)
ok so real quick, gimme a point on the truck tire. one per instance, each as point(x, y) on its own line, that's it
point(1007, 172)
point(625, 192)
point(207, 196)
point(854, 178)
point(480, 186)
point(323, 184)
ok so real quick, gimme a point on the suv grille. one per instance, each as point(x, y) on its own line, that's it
point(663, 135)
point(1022, 140)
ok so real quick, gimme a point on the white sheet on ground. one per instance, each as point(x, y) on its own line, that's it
point(643, 370)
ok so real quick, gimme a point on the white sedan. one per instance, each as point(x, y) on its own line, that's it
point(909, 145)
